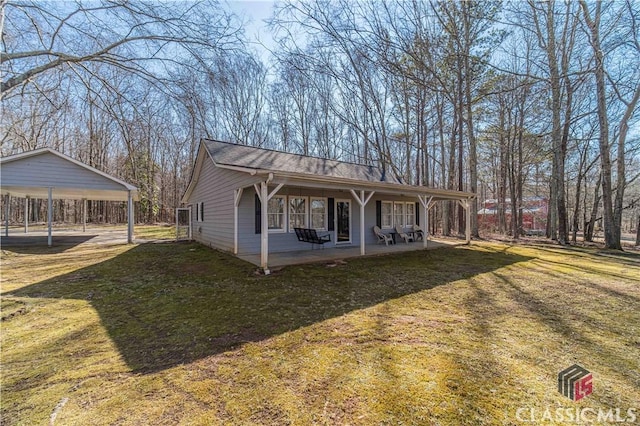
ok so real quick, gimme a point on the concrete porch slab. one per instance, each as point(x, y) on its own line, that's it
point(344, 252)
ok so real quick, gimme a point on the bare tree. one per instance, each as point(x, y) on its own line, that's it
point(137, 36)
point(612, 209)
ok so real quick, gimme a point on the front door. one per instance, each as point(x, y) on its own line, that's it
point(343, 221)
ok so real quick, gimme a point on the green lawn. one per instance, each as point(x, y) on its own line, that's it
point(176, 333)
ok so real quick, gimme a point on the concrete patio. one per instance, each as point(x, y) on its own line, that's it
point(331, 254)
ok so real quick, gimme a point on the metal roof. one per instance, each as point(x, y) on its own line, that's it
point(31, 173)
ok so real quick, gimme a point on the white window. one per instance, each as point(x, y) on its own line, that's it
point(298, 214)
point(276, 213)
point(319, 213)
point(398, 214)
point(387, 214)
point(410, 214)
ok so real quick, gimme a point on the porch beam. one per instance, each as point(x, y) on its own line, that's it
point(362, 201)
point(237, 195)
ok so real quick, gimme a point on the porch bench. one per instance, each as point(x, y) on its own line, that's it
point(311, 236)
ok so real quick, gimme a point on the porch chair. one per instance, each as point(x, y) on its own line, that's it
point(400, 233)
point(382, 238)
point(418, 233)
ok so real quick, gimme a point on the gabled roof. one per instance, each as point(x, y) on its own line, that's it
point(302, 170)
point(230, 154)
point(31, 173)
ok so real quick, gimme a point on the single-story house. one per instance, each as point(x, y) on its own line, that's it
point(248, 200)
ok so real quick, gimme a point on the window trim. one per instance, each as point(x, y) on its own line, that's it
point(200, 212)
point(307, 212)
point(406, 213)
point(382, 225)
point(285, 220)
point(403, 215)
point(325, 218)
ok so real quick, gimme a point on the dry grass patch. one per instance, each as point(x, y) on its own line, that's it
point(181, 334)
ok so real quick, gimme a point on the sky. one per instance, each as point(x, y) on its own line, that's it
point(256, 12)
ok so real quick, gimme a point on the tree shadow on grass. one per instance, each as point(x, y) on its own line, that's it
point(168, 304)
point(37, 244)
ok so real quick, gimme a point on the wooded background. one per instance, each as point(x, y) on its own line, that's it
point(504, 99)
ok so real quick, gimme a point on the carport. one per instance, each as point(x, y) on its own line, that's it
point(48, 174)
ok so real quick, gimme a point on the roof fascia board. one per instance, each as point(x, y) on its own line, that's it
point(195, 174)
point(252, 172)
point(441, 194)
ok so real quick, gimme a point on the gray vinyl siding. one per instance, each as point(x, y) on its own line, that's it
point(215, 188)
point(47, 169)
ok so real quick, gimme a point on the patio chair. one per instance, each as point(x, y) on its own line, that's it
point(382, 238)
point(418, 233)
point(400, 233)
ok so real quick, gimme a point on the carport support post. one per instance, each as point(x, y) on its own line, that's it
point(7, 201)
point(49, 215)
point(84, 215)
point(26, 215)
point(466, 205)
point(468, 224)
point(130, 218)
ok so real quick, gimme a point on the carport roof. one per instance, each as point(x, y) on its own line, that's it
point(32, 173)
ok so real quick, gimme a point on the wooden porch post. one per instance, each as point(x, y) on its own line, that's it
point(425, 215)
point(237, 195)
point(264, 228)
point(265, 196)
point(362, 202)
point(49, 215)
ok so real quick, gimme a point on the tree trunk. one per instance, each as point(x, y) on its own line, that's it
point(590, 226)
point(611, 234)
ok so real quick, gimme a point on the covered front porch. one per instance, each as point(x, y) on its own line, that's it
point(356, 208)
point(279, 259)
